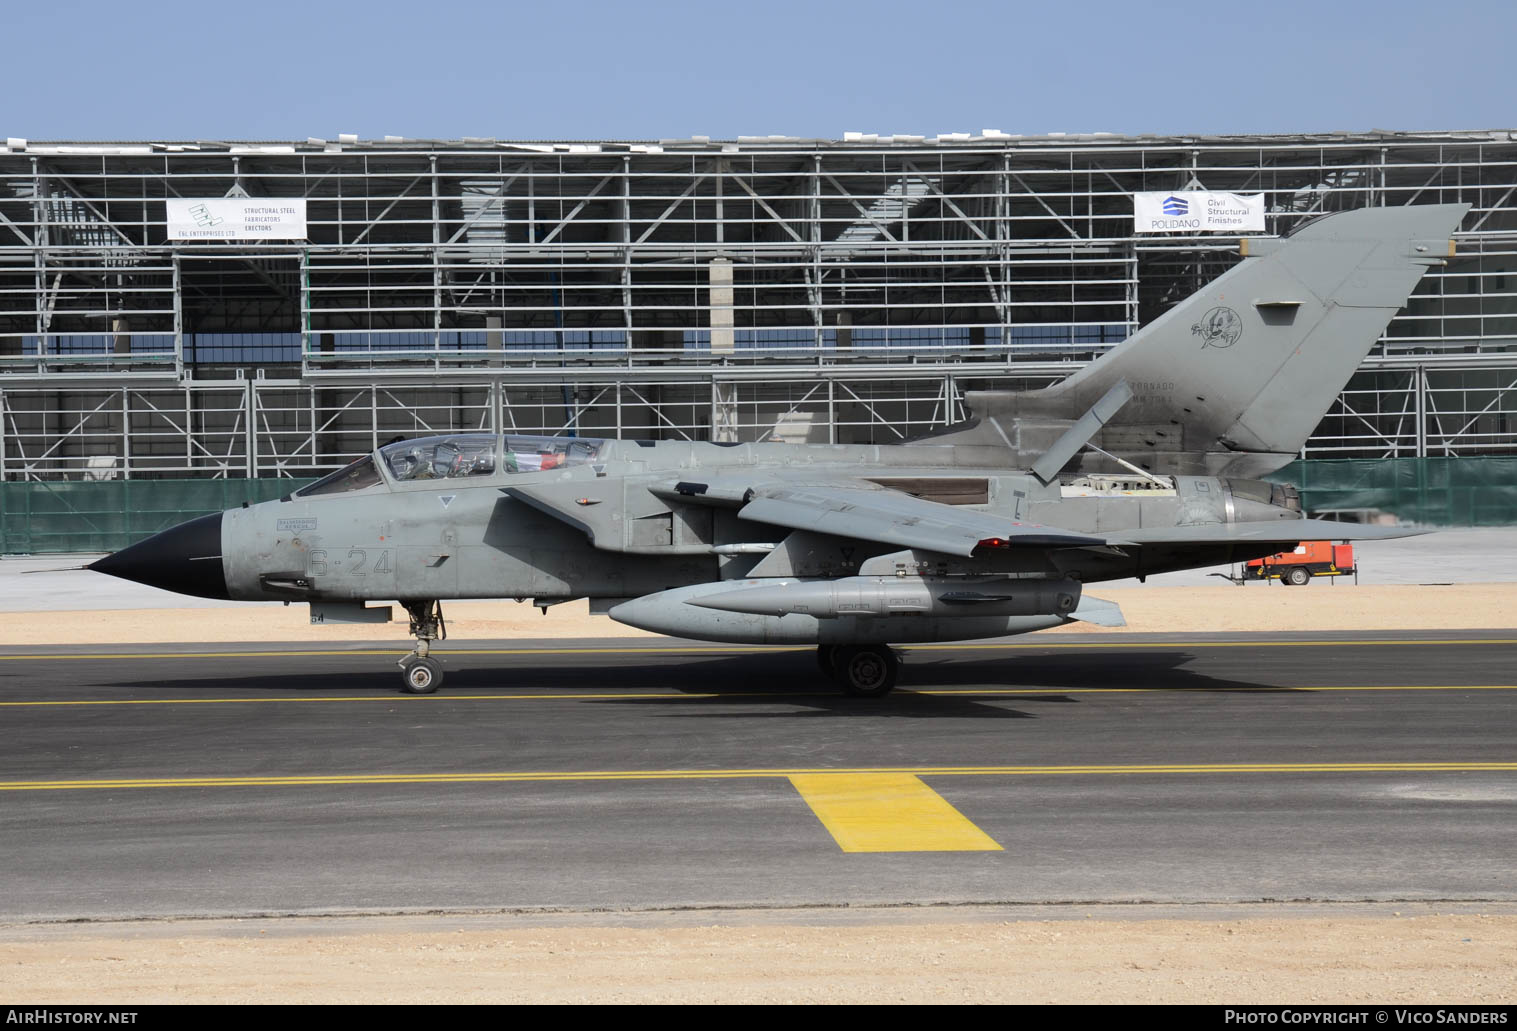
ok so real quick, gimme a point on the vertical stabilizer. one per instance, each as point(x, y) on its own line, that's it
point(1234, 379)
point(1251, 362)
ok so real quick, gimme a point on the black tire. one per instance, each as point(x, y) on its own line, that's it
point(866, 671)
point(420, 676)
point(1297, 576)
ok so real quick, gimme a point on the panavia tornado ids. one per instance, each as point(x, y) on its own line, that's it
point(1147, 460)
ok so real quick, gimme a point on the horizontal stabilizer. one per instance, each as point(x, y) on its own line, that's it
point(1097, 612)
point(1280, 530)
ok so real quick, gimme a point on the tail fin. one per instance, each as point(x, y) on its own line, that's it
point(1236, 377)
point(1253, 361)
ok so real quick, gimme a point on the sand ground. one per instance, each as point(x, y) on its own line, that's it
point(1255, 607)
point(1385, 957)
point(1293, 954)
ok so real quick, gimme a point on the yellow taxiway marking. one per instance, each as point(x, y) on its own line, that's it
point(1335, 643)
point(592, 696)
point(888, 812)
point(1259, 689)
point(399, 649)
point(547, 776)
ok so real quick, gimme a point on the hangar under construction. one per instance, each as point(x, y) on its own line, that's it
point(762, 288)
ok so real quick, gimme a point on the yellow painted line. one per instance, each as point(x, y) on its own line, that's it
point(888, 812)
point(582, 696)
point(399, 649)
point(1094, 645)
point(55, 656)
point(1259, 689)
point(549, 776)
point(1417, 687)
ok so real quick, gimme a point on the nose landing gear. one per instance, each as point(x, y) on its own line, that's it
point(420, 673)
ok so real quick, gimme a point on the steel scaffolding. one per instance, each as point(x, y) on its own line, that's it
point(731, 290)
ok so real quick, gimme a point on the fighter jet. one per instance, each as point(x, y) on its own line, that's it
point(1145, 461)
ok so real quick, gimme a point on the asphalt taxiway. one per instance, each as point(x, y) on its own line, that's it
point(231, 779)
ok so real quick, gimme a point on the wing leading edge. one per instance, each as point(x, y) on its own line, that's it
point(890, 517)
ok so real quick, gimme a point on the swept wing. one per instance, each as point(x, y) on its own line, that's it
point(890, 517)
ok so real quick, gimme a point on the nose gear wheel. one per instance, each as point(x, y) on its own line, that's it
point(420, 675)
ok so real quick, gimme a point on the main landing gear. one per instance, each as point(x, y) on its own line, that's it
point(420, 673)
point(862, 671)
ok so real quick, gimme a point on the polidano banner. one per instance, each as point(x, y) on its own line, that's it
point(236, 218)
point(1198, 211)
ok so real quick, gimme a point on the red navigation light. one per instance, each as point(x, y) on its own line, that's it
point(993, 542)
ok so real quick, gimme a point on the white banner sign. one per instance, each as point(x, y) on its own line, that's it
point(237, 218)
point(1196, 211)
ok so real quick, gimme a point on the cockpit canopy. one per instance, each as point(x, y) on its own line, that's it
point(438, 458)
point(457, 456)
point(441, 458)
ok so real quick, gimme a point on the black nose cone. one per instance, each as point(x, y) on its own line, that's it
point(184, 558)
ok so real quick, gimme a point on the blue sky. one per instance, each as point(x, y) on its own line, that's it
point(590, 70)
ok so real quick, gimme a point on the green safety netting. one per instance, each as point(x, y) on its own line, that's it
point(1477, 491)
point(64, 516)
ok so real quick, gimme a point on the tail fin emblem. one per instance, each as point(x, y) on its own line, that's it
point(1220, 327)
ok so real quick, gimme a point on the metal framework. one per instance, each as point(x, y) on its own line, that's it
point(759, 288)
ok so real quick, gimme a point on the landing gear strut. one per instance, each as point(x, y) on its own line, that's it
point(862, 671)
point(420, 673)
